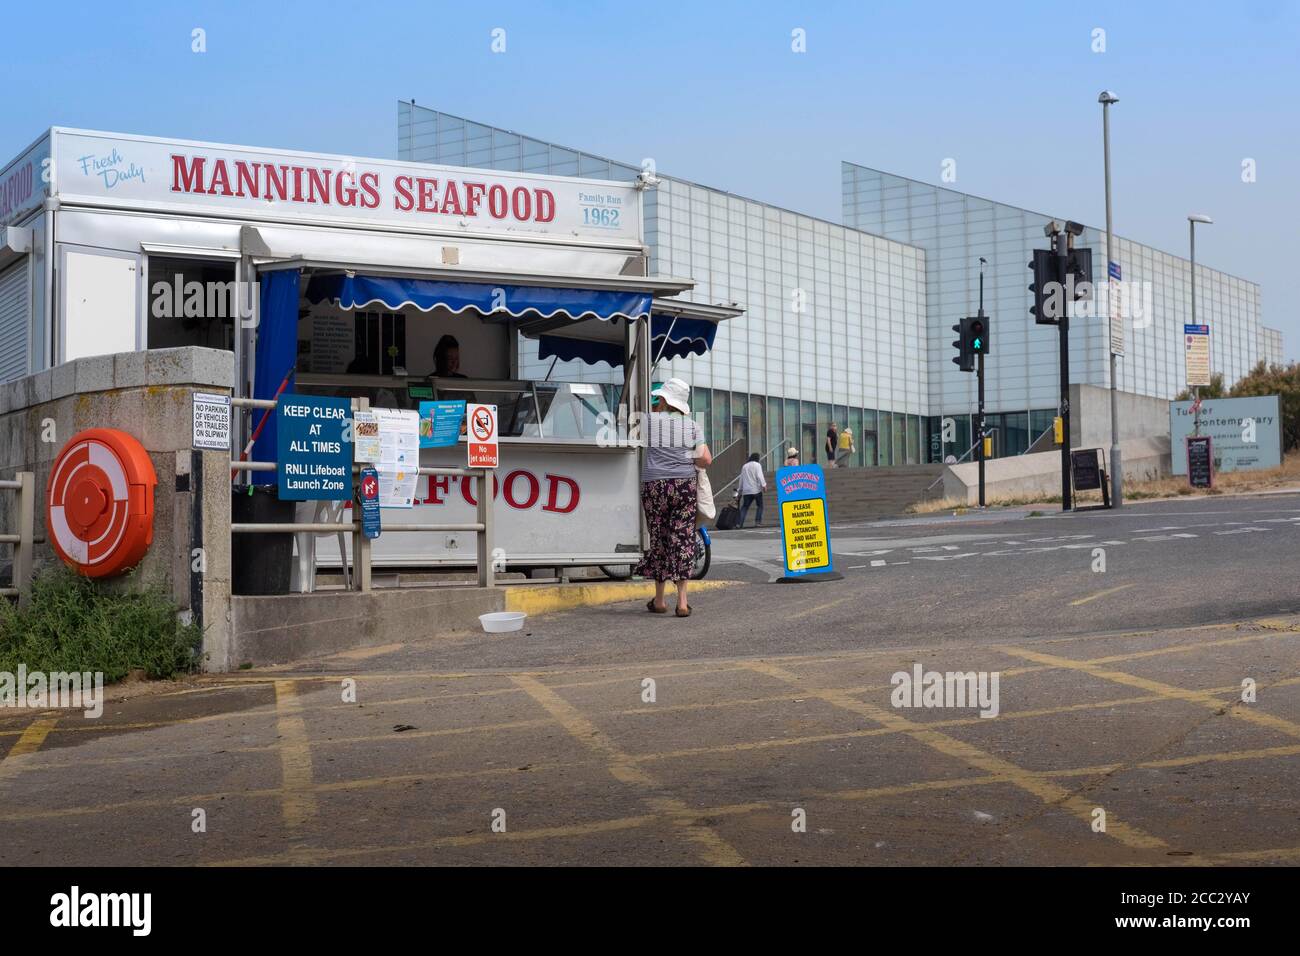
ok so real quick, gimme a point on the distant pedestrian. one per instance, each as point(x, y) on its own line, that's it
point(845, 448)
point(832, 445)
point(669, 492)
point(752, 485)
point(791, 457)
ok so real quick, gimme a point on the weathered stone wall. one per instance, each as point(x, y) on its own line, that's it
point(148, 395)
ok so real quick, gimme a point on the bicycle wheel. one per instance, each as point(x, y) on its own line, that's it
point(703, 556)
point(617, 572)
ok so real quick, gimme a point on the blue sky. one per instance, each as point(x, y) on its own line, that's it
point(713, 92)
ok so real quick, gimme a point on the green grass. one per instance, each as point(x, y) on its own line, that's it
point(73, 624)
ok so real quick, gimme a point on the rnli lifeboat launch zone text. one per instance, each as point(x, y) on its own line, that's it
point(315, 457)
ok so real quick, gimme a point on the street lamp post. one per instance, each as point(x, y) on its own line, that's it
point(1192, 220)
point(1116, 465)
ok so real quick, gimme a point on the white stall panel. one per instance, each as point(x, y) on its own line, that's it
point(100, 309)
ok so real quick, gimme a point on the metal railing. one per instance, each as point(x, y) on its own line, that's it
point(361, 560)
point(785, 443)
point(24, 540)
point(988, 432)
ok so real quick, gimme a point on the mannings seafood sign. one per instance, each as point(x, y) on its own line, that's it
point(142, 172)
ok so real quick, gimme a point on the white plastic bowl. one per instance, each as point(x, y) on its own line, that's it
point(500, 621)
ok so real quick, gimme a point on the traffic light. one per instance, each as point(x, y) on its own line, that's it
point(965, 358)
point(976, 335)
point(1079, 266)
point(1048, 301)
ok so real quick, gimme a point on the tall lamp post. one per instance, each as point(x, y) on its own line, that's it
point(1106, 98)
point(1192, 220)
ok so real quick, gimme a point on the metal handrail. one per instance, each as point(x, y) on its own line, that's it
point(25, 538)
point(482, 528)
point(1037, 438)
point(763, 457)
point(975, 444)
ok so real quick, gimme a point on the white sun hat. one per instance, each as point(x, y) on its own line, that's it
point(676, 393)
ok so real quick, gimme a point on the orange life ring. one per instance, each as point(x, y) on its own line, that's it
point(99, 502)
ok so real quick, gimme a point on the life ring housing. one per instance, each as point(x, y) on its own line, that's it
point(99, 502)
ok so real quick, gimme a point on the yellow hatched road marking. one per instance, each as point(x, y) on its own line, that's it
point(624, 768)
point(298, 803)
point(28, 742)
point(1099, 594)
point(1032, 783)
point(1168, 691)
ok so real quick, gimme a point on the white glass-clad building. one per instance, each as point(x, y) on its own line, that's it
point(852, 322)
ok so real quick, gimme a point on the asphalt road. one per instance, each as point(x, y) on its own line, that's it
point(764, 729)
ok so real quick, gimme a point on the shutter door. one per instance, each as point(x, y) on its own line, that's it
point(14, 321)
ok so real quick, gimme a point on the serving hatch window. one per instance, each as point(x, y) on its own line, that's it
point(561, 410)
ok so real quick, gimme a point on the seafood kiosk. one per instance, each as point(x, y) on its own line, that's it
point(406, 287)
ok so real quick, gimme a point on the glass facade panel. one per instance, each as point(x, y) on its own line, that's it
point(885, 439)
point(854, 417)
point(869, 438)
point(721, 421)
point(1016, 433)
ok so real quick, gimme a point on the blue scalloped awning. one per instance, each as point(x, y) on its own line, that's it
point(682, 337)
point(363, 292)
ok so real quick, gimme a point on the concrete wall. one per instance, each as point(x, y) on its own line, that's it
point(1039, 474)
point(147, 395)
point(1140, 416)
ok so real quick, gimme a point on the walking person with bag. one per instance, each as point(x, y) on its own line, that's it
point(675, 450)
point(846, 448)
point(832, 445)
point(752, 485)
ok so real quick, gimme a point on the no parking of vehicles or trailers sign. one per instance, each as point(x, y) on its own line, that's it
point(482, 436)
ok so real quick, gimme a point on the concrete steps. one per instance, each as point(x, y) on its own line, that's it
point(857, 493)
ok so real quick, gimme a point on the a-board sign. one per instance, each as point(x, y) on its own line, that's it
point(1200, 461)
point(1086, 465)
point(805, 531)
point(313, 448)
point(481, 430)
point(211, 421)
point(368, 492)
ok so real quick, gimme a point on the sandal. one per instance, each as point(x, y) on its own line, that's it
point(650, 606)
point(680, 613)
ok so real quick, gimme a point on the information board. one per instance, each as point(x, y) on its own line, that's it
point(1196, 354)
point(440, 423)
point(805, 531)
point(313, 448)
point(1086, 465)
point(211, 421)
point(1200, 461)
point(368, 488)
point(1247, 432)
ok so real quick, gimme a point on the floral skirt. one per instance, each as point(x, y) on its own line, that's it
point(670, 508)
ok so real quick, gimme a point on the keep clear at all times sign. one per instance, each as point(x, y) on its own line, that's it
point(314, 448)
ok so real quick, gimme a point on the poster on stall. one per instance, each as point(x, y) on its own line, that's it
point(365, 436)
point(440, 423)
point(399, 456)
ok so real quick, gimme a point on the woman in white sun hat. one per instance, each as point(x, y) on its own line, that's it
point(674, 449)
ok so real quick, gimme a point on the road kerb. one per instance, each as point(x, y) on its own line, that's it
point(548, 598)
